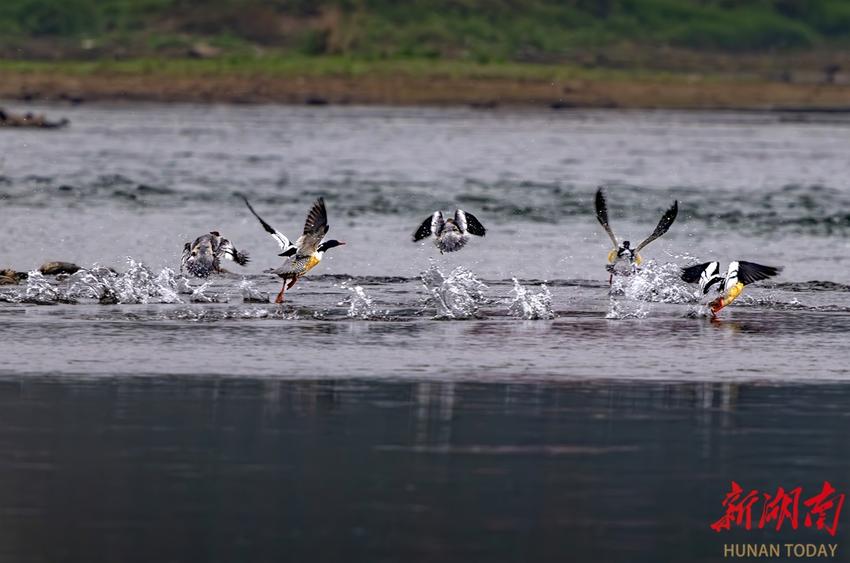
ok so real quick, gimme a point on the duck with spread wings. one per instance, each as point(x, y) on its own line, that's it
point(450, 234)
point(623, 260)
point(306, 252)
point(728, 286)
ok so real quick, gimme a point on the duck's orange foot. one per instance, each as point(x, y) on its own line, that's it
point(715, 306)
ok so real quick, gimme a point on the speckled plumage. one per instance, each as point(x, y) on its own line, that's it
point(203, 256)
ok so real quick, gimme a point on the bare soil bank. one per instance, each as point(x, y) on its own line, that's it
point(425, 90)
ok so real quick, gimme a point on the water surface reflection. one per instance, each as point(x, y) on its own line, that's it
point(190, 469)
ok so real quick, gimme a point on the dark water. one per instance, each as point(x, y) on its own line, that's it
point(204, 469)
point(495, 404)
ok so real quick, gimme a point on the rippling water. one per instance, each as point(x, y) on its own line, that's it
point(138, 181)
point(499, 403)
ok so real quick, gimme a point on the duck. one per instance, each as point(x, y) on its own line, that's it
point(623, 260)
point(203, 256)
point(729, 286)
point(306, 252)
point(450, 234)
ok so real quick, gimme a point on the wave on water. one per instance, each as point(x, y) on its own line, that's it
point(457, 295)
point(529, 305)
point(699, 312)
point(215, 315)
point(813, 285)
point(792, 207)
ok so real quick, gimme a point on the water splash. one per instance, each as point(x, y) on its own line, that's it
point(620, 309)
point(95, 283)
point(653, 283)
point(250, 294)
point(456, 296)
point(361, 305)
point(529, 305)
point(200, 295)
point(170, 285)
point(660, 283)
point(40, 290)
point(138, 284)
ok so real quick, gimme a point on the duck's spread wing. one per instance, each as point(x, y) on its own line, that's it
point(315, 229)
point(602, 215)
point(469, 223)
point(424, 230)
point(433, 225)
point(230, 253)
point(279, 237)
point(691, 274)
point(663, 225)
point(317, 219)
point(749, 272)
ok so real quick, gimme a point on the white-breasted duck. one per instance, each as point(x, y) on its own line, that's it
point(729, 286)
point(623, 260)
point(450, 234)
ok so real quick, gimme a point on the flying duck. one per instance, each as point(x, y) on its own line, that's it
point(203, 256)
point(623, 259)
point(450, 234)
point(730, 286)
point(305, 253)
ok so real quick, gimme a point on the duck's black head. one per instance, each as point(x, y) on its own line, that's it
point(626, 244)
point(329, 244)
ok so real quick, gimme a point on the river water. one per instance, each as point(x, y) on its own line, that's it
point(499, 402)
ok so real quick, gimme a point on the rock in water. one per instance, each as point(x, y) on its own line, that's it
point(53, 268)
point(29, 120)
point(8, 277)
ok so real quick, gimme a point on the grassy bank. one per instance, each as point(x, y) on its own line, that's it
point(583, 53)
point(476, 30)
point(342, 80)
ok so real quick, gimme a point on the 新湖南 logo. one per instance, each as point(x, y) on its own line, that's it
point(755, 509)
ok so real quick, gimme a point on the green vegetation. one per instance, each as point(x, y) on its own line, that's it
point(474, 30)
